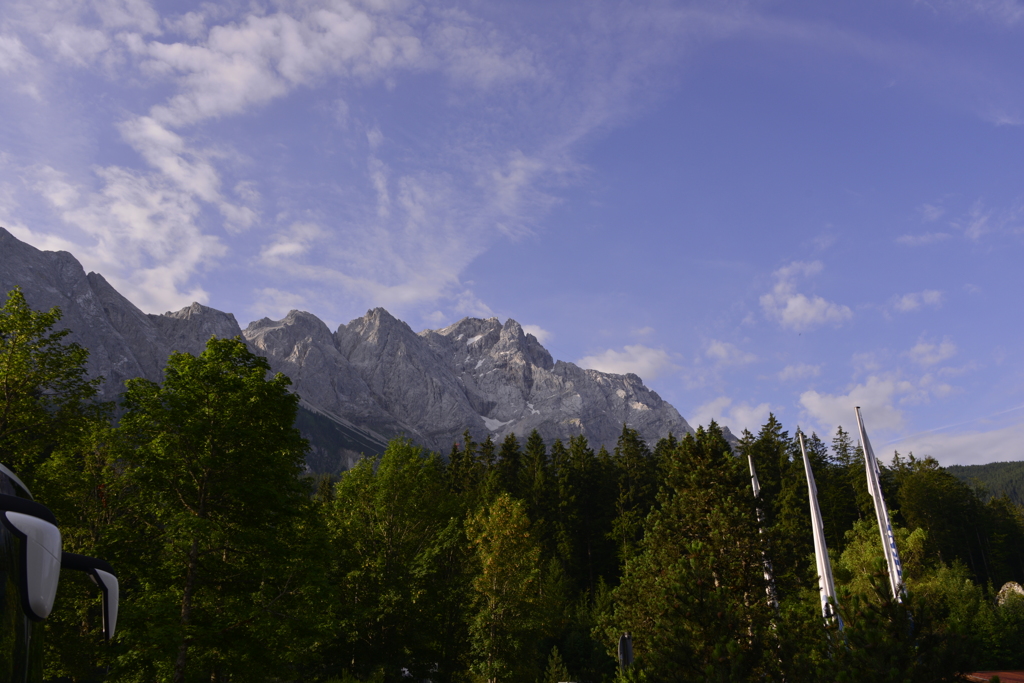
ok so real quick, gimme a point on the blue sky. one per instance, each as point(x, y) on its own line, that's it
point(755, 206)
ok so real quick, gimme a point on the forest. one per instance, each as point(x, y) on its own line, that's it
point(511, 561)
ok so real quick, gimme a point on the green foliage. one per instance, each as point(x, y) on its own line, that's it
point(395, 542)
point(46, 398)
point(693, 596)
point(521, 564)
point(556, 671)
point(586, 493)
point(213, 460)
point(505, 623)
point(993, 480)
point(898, 641)
point(636, 473)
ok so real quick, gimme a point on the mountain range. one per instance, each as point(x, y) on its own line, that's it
point(364, 383)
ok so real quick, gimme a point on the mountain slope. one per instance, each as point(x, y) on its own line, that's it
point(996, 478)
point(364, 383)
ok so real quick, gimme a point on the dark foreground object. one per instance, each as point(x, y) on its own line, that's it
point(1004, 676)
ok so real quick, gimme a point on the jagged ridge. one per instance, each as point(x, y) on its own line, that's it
point(366, 382)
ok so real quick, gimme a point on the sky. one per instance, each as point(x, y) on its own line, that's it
point(758, 207)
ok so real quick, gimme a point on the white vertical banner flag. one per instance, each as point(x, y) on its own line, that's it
point(826, 585)
point(892, 556)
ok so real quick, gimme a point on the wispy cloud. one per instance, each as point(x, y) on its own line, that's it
point(644, 361)
point(931, 212)
point(724, 353)
point(923, 238)
point(13, 54)
point(977, 447)
point(798, 371)
point(142, 233)
point(274, 303)
point(930, 353)
point(981, 220)
point(797, 311)
point(915, 300)
point(1006, 13)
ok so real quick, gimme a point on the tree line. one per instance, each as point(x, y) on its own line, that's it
point(510, 561)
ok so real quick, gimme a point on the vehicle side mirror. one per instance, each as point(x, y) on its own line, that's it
point(102, 574)
point(40, 553)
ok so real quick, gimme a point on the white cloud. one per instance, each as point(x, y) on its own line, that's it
point(965, 448)
point(798, 311)
point(928, 353)
point(1004, 12)
point(799, 371)
point(76, 44)
point(137, 15)
point(737, 417)
point(980, 221)
point(537, 331)
point(295, 241)
point(931, 213)
point(915, 300)
point(261, 58)
point(977, 222)
point(876, 398)
point(13, 54)
point(378, 172)
point(477, 55)
point(724, 353)
point(638, 359)
point(275, 303)
point(191, 170)
point(167, 151)
point(925, 238)
point(144, 234)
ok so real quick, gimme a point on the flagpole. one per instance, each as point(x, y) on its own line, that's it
point(826, 584)
point(892, 556)
point(769, 574)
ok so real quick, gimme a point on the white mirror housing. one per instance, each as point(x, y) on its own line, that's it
point(40, 560)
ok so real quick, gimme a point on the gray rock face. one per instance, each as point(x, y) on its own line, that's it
point(476, 374)
point(302, 347)
point(372, 379)
point(514, 386)
point(188, 330)
point(123, 341)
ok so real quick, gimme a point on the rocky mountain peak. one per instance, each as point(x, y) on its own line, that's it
point(377, 327)
point(279, 337)
point(188, 329)
point(372, 379)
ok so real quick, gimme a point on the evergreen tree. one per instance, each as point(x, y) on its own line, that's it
point(784, 505)
point(537, 488)
point(510, 467)
point(466, 471)
point(586, 494)
point(637, 475)
point(487, 456)
point(693, 595)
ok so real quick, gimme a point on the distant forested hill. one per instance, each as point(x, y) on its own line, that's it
point(996, 478)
